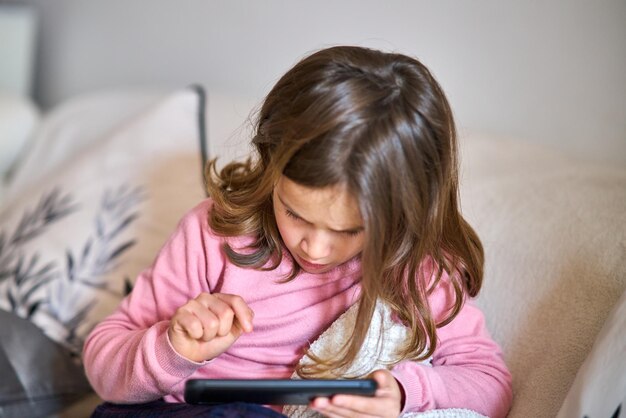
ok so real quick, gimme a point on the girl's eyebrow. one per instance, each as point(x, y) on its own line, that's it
point(355, 229)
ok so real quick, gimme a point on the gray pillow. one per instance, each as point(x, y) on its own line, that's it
point(39, 376)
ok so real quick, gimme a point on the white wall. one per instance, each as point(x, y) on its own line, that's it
point(17, 42)
point(547, 71)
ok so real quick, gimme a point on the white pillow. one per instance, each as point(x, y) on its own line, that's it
point(72, 243)
point(74, 126)
point(599, 389)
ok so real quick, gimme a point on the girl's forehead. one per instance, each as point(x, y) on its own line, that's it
point(332, 205)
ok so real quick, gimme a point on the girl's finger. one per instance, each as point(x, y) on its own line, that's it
point(209, 321)
point(242, 311)
point(360, 405)
point(219, 309)
point(383, 378)
point(187, 323)
point(388, 386)
point(330, 409)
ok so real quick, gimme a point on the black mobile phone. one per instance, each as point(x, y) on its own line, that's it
point(272, 391)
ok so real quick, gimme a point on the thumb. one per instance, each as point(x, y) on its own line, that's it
point(388, 386)
point(382, 378)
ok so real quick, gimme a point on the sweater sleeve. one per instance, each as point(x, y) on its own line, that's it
point(128, 357)
point(468, 369)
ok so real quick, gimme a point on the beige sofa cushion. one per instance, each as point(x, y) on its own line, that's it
point(554, 231)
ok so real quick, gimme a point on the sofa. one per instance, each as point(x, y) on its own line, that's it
point(102, 179)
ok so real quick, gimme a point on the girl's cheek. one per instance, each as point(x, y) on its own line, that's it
point(288, 233)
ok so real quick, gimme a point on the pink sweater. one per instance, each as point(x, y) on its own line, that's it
point(128, 357)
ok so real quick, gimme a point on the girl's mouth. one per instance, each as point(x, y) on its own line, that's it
point(310, 266)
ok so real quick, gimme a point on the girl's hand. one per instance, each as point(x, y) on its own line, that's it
point(386, 403)
point(206, 326)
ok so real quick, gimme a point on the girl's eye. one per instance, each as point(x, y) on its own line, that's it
point(295, 217)
point(292, 215)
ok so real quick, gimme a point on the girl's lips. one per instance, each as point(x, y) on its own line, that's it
point(311, 266)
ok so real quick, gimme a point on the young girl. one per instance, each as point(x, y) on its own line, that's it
point(352, 197)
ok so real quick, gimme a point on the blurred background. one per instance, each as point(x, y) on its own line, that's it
point(549, 72)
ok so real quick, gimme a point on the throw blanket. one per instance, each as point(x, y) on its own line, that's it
point(377, 352)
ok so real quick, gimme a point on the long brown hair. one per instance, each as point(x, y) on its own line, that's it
point(380, 124)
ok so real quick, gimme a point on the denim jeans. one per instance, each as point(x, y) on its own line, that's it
point(161, 408)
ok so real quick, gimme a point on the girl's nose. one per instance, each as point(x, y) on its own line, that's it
point(316, 245)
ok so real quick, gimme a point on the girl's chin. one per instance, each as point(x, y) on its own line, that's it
point(316, 271)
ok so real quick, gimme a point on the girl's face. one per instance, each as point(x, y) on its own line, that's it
point(322, 228)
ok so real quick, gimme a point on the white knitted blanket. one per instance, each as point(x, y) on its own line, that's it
point(377, 352)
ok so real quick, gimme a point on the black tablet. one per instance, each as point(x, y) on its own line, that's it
point(272, 391)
